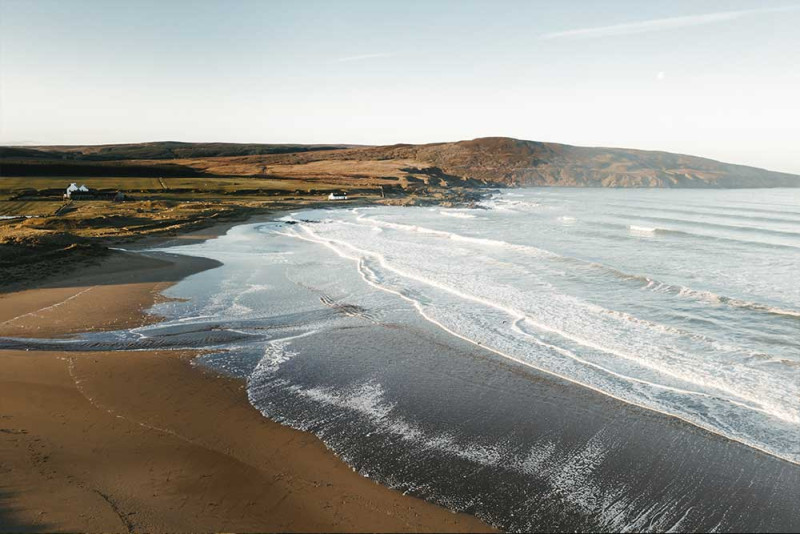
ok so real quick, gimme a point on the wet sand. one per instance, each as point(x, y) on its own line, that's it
point(146, 441)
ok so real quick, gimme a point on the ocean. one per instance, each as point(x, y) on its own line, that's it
point(555, 359)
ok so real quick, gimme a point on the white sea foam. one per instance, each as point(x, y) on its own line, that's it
point(707, 342)
point(642, 229)
point(457, 214)
point(568, 475)
point(638, 361)
point(277, 352)
point(651, 284)
point(705, 334)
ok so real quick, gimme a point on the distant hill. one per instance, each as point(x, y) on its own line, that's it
point(163, 150)
point(491, 161)
point(531, 163)
point(534, 163)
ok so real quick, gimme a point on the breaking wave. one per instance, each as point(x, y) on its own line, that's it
point(658, 381)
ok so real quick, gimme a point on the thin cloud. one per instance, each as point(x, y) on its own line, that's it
point(360, 57)
point(26, 142)
point(655, 25)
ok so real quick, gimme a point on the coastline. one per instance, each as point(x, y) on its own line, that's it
point(146, 441)
point(580, 461)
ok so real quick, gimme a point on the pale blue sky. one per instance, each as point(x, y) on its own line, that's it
point(717, 79)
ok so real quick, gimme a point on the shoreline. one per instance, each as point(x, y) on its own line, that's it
point(29, 254)
point(343, 386)
point(147, 441)
point(153, 392)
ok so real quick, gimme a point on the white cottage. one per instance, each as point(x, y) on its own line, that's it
point(75, 188)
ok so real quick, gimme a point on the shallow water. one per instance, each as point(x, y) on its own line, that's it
point(562, 359)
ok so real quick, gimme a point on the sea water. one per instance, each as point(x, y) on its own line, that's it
point(686, 303)
point(554, 359)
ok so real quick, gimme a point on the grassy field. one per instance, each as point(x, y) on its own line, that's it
point(27, 207)
point(168, 197)
point(15, 184)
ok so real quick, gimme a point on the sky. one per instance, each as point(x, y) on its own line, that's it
point(709, 78)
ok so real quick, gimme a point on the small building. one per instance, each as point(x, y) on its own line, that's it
point(338, 195)
point(75, 188)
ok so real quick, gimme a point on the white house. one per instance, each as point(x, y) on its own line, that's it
point(75, 188)
point(338, 195)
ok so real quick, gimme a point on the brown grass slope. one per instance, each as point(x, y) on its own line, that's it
point(491, 160)
point(502, 160)
point(163, 150)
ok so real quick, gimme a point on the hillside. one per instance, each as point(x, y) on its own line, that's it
point(489, 161)
point(169, 188)
point(532, 163)
point(159, 150)
point(500, 160)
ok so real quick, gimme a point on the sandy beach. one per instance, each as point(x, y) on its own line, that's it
point(399, 267)
point(145, 441)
